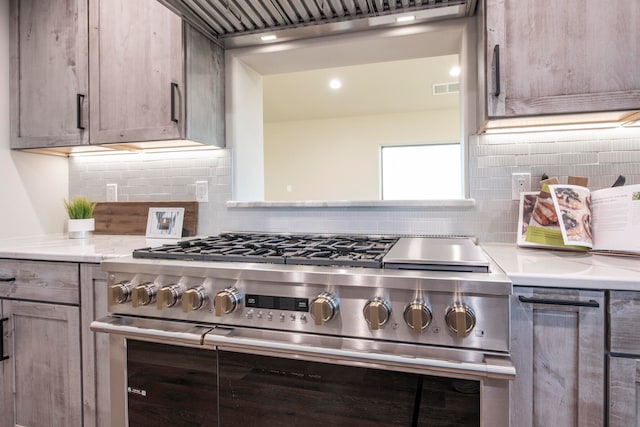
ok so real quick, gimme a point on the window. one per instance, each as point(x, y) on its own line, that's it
point(415, 172)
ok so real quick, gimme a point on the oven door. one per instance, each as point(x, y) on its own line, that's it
point(273, 378)
point(169, 385)
point(257, 390)
point(160, 377)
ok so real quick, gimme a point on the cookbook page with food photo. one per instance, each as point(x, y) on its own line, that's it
point(538, 224)
point(572, 204)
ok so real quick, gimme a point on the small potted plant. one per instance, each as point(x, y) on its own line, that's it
point(81, 222)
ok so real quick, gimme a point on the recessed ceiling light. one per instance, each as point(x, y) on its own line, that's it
point(406, 18)
point(454, 71)
point(335, 84)
point(268, 38)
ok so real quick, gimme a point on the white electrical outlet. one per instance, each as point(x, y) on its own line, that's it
point(520, 183)
point(202, 191)
point(112, 192)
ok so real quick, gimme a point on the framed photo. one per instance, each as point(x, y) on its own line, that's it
point(165, 223)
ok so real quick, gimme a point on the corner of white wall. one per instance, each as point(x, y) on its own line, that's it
point(33, 186)
point(243, 107)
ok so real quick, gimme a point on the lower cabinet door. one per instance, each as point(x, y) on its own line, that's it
point(558, 348)
point(41, 378)
point(624, 392)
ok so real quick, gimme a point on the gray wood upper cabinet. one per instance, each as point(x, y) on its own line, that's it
point(125, 71)
point(151, 76)
point(40, 381)
point(561, 56)
point(558, 348)
point(135, 58)
point(49, 73)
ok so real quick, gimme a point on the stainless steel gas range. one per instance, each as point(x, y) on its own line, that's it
point(285, 314)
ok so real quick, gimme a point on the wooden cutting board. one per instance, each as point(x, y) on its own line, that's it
point(131, 217)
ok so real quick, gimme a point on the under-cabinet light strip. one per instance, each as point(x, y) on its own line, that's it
point(143, 151)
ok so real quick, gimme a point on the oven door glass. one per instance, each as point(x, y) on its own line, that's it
point(171, 385)
point(258, 390)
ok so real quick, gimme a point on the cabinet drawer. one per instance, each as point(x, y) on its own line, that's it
point(40, 281)
point(624, 384)
point(624, 322)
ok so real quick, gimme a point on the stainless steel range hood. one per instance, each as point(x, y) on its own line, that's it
point(236, 23)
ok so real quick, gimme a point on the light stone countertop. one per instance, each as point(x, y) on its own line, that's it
point(59, 247)
point(524, 266)
point(564, 269)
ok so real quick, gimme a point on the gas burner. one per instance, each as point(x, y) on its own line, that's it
point(336, 250)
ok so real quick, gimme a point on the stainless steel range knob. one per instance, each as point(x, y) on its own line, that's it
point(460, 319)
point(194, 299)
point(376, 312)
point(324, 307)
point(168, 296)
point(417, 316)
point(143, 294)
point(119, 293)
point(226, 301)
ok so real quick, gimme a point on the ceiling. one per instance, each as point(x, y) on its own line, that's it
point(227, 20)
point(368, 89)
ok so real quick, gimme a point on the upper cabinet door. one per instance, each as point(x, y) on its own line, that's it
point(49, 60)
point(557, 57)
point(136, 71)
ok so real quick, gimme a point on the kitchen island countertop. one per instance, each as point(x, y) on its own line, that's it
point(565, 269)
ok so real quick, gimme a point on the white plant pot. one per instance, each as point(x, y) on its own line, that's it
point(81, 228)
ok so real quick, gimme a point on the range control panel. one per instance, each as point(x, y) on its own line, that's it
point(406, 315)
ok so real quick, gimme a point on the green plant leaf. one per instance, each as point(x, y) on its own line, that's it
point(79, 207)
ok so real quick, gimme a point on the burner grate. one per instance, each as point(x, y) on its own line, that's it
point(351, 251)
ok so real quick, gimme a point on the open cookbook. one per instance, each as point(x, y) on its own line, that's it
point(572, 217)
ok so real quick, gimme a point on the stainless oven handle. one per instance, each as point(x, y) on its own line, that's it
point(178, 335)
point(502, 368)
point(186, 334)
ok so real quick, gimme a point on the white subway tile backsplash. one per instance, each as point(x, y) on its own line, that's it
point(548, 147)
point(538, 159)
point(578, 158)
point(619, 157)
point(626, 145)
point(496, 161)
point(599, 155)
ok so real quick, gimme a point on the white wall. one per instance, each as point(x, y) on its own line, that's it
point(298, 154)
point(244, 127)
point(32, 186)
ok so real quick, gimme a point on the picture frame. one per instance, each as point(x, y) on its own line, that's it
point(165, 223)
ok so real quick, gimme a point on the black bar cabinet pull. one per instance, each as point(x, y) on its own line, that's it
point(496, 62)
point(2, 356)
point(7, 279)
point(79, 102)
point(174, 86)
point(590, 303)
